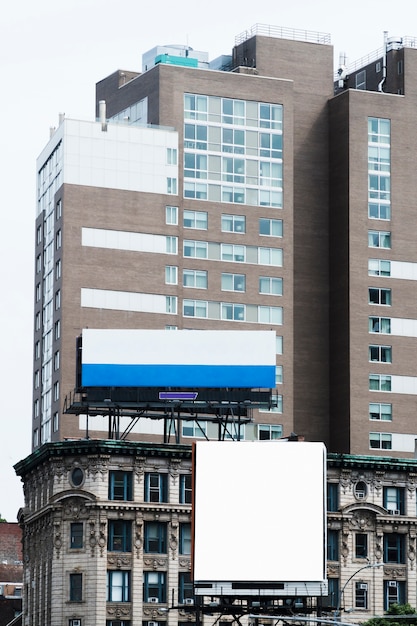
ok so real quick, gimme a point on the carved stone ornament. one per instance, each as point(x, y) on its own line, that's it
point(394, 572)
point(118, 611)
point(119, 561)
point(57, 538)
point(362, 520)
point(98, 466)
point(174, 469)
point(173, 538)
point(154, 563)
point(75, 509)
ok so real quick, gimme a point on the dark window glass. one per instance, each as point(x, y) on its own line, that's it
point(120, 536)
point(76, 535)
point(120, 485)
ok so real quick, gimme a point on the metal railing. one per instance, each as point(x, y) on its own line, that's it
point(280, 32)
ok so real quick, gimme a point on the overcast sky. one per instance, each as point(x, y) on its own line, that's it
point(51, 56)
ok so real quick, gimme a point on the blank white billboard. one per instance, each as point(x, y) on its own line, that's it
point(259, 518)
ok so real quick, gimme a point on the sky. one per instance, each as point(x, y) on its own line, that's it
point(51, 56)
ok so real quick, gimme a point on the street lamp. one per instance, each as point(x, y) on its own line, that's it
point(340, 598)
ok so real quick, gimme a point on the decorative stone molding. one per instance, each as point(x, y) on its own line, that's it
point(154, 563)
point(395, 571)
point(119, 611)
point(333, 569)
point(185, 563)
point(57, 538)
point(119, 561)
point(173, 528)
point(174, 469)
point(97, 466)
point(74, 508)
point(138, 534)
point(139, 468)
point(362, 520)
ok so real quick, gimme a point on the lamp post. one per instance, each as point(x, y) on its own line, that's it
point(340, 598)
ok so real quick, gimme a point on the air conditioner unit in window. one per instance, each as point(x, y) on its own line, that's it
point(394, 511)
point(392, 583)
point(153, 599)
point(362, 586)
point(360, 495)
point(188, 601)
point(153, 624)
point(75, 622)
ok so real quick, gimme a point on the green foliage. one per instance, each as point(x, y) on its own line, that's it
point(395, 609)
point(2, 519)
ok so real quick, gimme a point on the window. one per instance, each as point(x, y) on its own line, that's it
point(195, 249)
point(394, 548)
point(76, 535)
point(75, 587)
point(39, 234)
point(119, 536)
point(185, 489)
point(279, 344)
point(379, 382)
point(55, 422)
point(185, 587)
point(58, 267)
point(276, 404)
point(378, 267)
point(57, 300)
point(58, 239)
point(77, 476)
point(156, 487)
point(332, 545)
point(195, 219)
point(394, 593)
point(56, 361)
point(38, 263)
point(360, 80)
point(155, 537)
point(194, 429)
point(38, 292)
point(36, 381)
point(270, 285)
point(56, 391)
point(332, 497)
point(195, 278)
point(361, 595)
point(233, 282)
point(270, 315)
point(118, 622)
point(360, 490)
point(120, 485)
point(154, 587)
point(235, 312)
point(57, 329)
point(171, 215)
point(379, 296)
point(36, 408)
point(380, 411)
point(233, 223)
point(172, 185)
point(38, 321)
point(270, 256)
point(279, 374)
point(235, 253)
point(171, 245)
point(380, 441)
point(185, 538)
point(270, 228)
point(361, 546)
point(171, 275)
point(118, 586)
point(171, 304)
point(380, 354)
point(333, 597)
point(380, 325)
point(268, 432)
point(195, 308)
point(171, 156)
point(379, 239)
point(394, 500)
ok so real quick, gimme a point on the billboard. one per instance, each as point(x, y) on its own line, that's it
point(259, 518)
point(182, 358)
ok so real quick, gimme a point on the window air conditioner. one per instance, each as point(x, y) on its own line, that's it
point(1, 590)
point(75, 622)
point(392, 583)
point(188, 601)
point(363, 586)
point(360, 495)
point(394, 511)
point(153, 624)
point(153, 599)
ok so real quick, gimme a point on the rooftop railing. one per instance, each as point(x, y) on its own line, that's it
point(279, 32)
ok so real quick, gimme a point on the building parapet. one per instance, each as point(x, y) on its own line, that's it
point(279, 32)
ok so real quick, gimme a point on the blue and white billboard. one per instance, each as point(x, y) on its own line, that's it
point(188, 359)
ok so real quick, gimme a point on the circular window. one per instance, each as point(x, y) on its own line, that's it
point(77, 476)
point(360, 490)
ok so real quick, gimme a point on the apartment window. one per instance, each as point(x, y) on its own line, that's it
point(38, 263)
point(118, 586)
point(119, 537)
point(270, 315)
point(36, 408)
point(380, 441)
point(235, 312)
point(279, 344)
point(58, 239)
point(394, 548)
point(279, 374)
point(171, 275)
point(394, 500)
point(267, 432)
point(378, 267)
point(119, 622)
point(172, 186)
point(195, 278)
point(38, 321)
point(332, 497)
point(56, 391)
point(156, 487)
point(195, 219)
point(394, 593)
point(154, 587)
point(332, 545)
point(171, 156)
point(270, 228)
point(58, 269)
point(195, 308)
point(400, 67)
point(196, 249)
point(379, 296)
point(276, 404)
point(379, 211)
point(36, 437)
point(270, 256)
point(233, 253)
point(76, 587)
point(270, 285)
point(361, 595)
point(171, 215)
point(39, 234)
point(380, 354)
point(56, 361)
point(120, 485)
point(379, 382)
point(380, 325)
point(58, 210)
point(36, 381)
point(194, 429)
point(155, 537)
point(185, 489)
point(171, 304)
point(76, 535)
point(361, 546)
point(379, 239)
point(333, 592)
point(55, 422)
point(380, 411)
point(38, 292)
point(233, 223)
point(57, 329)
point(233, 282)
point(185, 587)
point(185, 538)
point(360, 80)
point(171, 245)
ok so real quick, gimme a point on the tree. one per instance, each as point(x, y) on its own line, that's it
point(395, 609)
